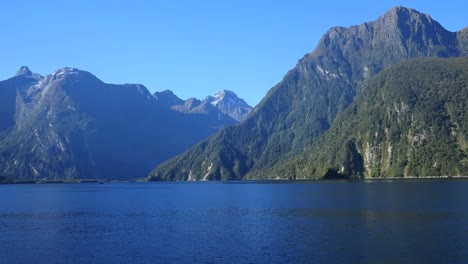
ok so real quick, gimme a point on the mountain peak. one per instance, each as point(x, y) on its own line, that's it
point(167, 98)
point(70, 72)
point(400, 33)
point(402, 10)
point(167, 92)
point(399, 16)
point(224, 93)
point(66, 70)
point(229, 103)
point(226, 96)
point(24, 70)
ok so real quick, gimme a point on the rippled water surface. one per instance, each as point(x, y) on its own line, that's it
point(311, 222)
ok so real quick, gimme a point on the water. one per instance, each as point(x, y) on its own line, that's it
point(319, 222)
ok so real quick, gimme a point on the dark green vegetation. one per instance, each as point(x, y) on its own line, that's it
point(280, 131)
point(70, 125)
point(410, 121)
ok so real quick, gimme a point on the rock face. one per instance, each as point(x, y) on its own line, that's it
point(297, 111)
point(71, 125)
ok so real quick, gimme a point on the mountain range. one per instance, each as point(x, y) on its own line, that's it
point(71, 125)
point(285, 134)
point(225, 104)
point(386, 98)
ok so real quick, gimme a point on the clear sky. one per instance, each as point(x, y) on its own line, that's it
point(194, 48)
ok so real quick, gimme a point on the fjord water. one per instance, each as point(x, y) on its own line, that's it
point(307, 222)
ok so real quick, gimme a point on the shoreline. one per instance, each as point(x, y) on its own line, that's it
point(102, 181)
point(77, 181)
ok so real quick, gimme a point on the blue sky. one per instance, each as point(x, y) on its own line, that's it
point(194, 48)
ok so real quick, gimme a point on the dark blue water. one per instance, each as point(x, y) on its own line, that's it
point(321, 222)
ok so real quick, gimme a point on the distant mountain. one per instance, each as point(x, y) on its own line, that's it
point(167, 98)
point(227, 102)
point(225, 105)
point(298, 110)
point(71, 125)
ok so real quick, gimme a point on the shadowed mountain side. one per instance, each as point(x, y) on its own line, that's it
point(71, 125)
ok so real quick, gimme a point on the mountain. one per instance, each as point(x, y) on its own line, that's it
point(70, 124)
point(225, 104)
point(410, 121)
point(167, 98)
point(299, 109)
point(228, 103)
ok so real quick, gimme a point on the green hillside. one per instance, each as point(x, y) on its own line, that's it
point(410, 121)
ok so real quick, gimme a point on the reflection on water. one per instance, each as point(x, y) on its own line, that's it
point(366, 222)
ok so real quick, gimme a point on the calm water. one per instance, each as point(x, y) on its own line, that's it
point(320, 222)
